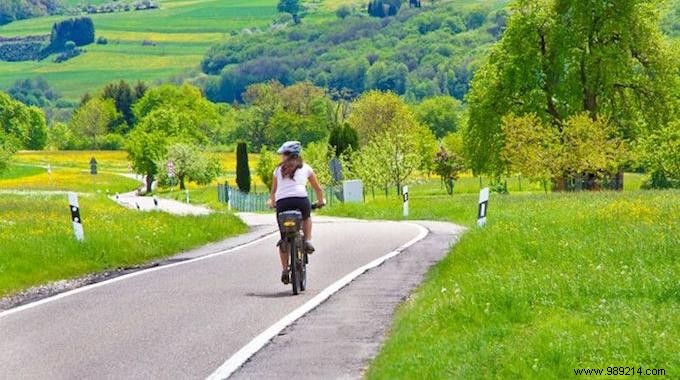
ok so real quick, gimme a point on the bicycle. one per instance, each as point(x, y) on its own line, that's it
point(290, 223)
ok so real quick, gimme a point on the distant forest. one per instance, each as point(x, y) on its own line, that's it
point(420, 53)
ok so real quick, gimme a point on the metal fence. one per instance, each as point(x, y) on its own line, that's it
point(257, 202)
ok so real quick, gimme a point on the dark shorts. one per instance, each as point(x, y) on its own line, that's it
point(294, 204)
point(290, 204)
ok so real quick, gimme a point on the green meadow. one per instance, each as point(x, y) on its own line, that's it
point(554, 282)
point(39, 247)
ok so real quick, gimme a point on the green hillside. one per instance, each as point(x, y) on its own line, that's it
point(177, 35)
point(181, 32)
point(161, 44)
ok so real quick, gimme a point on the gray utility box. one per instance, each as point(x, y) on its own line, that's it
point(353, 191)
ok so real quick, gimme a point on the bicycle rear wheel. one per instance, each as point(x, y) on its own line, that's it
point(294, 268)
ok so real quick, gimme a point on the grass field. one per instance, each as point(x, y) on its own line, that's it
point(35, 229)
point(181, 30)
point(38, 244)
point(554, 282)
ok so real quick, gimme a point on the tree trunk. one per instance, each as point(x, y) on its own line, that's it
point(181, 183)
point(149, 182)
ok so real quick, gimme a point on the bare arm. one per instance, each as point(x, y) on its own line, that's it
point(317, 189)
point(272, 196)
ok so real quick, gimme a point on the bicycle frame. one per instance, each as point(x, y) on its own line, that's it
point(290, 223)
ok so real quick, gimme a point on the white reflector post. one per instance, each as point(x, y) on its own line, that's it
point(483, 206)
point(405, 201)
point(75, 216)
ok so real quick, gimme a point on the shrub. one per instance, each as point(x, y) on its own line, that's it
point(112, 141)
point(343, 12)
point(102, 41)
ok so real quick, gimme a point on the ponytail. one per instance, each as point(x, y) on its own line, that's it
point(290, 165)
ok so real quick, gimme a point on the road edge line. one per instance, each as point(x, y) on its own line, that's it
point(235, 362)
point(86, 288)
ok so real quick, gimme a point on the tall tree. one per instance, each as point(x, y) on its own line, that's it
point(123, 97)
point(559, 58)
point(242, 167)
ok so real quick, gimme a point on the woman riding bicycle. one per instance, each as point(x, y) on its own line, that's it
point(289, 192)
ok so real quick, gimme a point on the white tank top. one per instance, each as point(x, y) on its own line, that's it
point(292, 188)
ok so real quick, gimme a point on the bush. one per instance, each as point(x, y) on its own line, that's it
point(242, 168)
point(23, 48)
point(102, 41)
point(343, 12)
point(112, 141)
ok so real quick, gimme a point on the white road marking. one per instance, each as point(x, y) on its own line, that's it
point(242, 355)
point(130, 275)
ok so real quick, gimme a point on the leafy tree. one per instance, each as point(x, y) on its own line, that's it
point(448, 166)
point(148, 143)
point(123, 97)
point(242, 168)
point(266, 166)
point(387, 76)
point(37, 130)
point(318, 156)
point(376, 112)
point(34, 92)
point(188, 100)
point(343, 138)
point(21, 126)
point(276, 113)
point(584, 149)
point(78, 30)
point(590, 149)
point(562, 58)
point(661, 156)
point(531, 149)
point(60, 137)
point(91, 120)
point(388, 130)
point(191, 165)
point(440, 114)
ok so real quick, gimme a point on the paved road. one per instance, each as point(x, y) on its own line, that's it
point(134, 201)
point(181, 321)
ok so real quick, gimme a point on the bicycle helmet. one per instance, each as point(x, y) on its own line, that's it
point(291, 147)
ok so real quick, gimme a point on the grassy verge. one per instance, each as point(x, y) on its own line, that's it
point(38, 244)
point(554, 282)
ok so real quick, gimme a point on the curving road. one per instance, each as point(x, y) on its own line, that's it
point(182, 320)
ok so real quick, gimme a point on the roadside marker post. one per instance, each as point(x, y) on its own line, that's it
point(93, 171)
point(483, 207)
point(75, 216)
point(405, 202)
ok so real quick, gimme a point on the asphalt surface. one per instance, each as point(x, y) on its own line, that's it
point(338, 339)
point(181, 321)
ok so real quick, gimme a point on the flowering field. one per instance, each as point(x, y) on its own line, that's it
point(64, 179)
point(109, 160)
point(38, 244)
point(554, 282)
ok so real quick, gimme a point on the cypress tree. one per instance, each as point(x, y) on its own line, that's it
point(242, 168)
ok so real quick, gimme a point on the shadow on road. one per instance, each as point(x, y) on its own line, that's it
point(281, 294)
